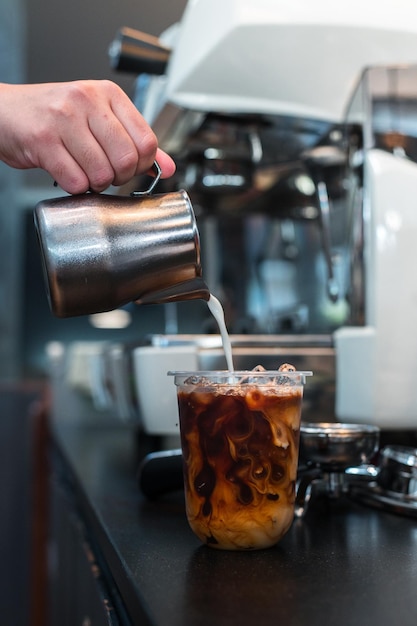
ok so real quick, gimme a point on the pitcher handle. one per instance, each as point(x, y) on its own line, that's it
point(153, 184)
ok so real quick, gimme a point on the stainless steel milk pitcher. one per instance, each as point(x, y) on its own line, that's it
point(102, 251)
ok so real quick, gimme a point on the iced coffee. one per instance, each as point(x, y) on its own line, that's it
point(240, 440)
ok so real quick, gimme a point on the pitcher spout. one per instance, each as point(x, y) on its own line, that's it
point(194, 289)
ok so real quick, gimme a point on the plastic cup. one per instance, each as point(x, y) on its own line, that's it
point(240, 440)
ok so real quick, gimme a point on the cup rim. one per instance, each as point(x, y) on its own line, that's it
point(253, 376)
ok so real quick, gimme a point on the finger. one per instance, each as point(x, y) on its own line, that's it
point(166, 163)
point(140, 133)
point(118, 147)
point(92, 160)
point(65, 170)
point(127, 158)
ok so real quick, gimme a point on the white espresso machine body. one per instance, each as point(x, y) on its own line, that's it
point(303, 60)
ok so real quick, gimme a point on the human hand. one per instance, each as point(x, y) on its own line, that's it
point(86, 134)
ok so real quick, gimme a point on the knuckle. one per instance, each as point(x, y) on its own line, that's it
point(110, 86)
point(73, 97)
point(101, 178)
point(76, 187)
point(71, 182)
point(127, 162)
point(149, 143)
point(147, 151)
point(97, 168)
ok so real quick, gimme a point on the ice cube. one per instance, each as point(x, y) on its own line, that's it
point(286, 367)
point(198, 380)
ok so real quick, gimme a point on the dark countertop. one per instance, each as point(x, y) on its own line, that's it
point(345, 563)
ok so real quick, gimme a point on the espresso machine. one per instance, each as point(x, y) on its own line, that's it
point(294, 129)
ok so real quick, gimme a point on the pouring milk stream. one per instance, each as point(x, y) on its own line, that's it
point(217, 311)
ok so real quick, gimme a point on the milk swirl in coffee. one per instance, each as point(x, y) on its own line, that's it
point(240, 440)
